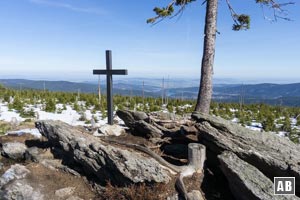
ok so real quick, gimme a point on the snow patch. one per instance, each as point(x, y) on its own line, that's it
point(7, 115)
point(35, 132)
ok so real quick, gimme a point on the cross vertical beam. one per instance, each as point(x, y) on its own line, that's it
point(109, 92)
point(109, 96)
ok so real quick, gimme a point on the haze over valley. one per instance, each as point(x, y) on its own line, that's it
point(225, 90)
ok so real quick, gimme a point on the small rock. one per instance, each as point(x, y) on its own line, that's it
point(166, 116)
point(70, 171)
point(74, 198)
point(14, 172)
point(109, 130)
point(14, 122)
point(51, 164)
point(32, 154)
point(195, 195)
point(14, 150)
point(64, 192)
point(14, 186)
point(138, 115)
point(20, 190)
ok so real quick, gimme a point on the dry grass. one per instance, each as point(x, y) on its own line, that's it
point(135, 192)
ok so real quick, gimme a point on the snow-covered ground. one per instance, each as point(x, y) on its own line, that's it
point(253, 128)
point(257, 126)
point(69, 115)
point(7, 115)
point(235, 120)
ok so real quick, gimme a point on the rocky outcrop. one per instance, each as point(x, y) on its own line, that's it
point(106, 162)
point(159, 127)
point(138, 124)
point(272, 155)
point(245, 181)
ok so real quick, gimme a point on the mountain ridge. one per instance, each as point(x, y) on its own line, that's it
point(272, 93)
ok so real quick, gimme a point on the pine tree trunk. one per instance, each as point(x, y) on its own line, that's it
point(205, 90)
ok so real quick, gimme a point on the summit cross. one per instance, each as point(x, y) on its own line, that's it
point(109, 92)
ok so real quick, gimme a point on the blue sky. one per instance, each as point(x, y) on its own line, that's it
point(66, 39)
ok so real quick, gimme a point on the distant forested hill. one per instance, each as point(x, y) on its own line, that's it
point(264, 90)
point(49, 85)
point(275, 94)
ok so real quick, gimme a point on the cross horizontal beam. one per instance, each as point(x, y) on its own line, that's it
point(110, 72)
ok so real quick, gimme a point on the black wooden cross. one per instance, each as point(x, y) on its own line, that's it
point(109, 72)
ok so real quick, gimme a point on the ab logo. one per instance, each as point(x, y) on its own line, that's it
point(284, 185)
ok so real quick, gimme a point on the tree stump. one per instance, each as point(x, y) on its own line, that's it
point(197, 155)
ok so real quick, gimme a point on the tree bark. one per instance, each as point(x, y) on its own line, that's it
point(205, 90)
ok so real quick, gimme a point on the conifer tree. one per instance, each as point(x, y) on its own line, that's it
point(17, 104)
point(50, 105)
point(286, 124)
point(241, 22)
point(298, 121)
point(76, 107)
point(295, 135)
point(268, 123)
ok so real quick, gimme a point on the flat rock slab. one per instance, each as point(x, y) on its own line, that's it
point(247, 182)
point(107, 162)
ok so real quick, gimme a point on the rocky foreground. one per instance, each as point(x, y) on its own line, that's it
point(154, 157)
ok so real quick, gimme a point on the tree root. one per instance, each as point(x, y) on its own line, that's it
point(181, 171)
